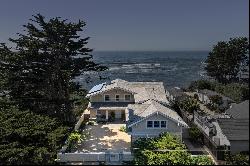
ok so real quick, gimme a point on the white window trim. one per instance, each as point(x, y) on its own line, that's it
point(119, 97)
point(125, 97)
point(152, 124)
point(166, 124)
point(104, 98)
point(159, 124)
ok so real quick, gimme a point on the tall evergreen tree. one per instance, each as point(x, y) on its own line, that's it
point(28, 138)
point(41, 67)
point(226, 58)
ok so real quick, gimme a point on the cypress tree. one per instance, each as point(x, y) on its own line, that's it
point(41, 67)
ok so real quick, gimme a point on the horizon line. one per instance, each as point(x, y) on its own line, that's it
point(151, 50)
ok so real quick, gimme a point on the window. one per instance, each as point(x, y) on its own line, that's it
point(149, 124)
point(163, 124)
point(117, 97)
point(106, 98)
point(127, 97)
point(156, 124)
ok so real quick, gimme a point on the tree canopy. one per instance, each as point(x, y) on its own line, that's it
point(43, 63)
point(28, 138)
point(37, 91)
point(190, 105)
point(165, 150)
point(237, 92)
point(226, 59)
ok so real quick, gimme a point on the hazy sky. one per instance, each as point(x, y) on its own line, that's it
point(138, 24)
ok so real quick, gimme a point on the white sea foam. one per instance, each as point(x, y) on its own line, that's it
point(141, 66)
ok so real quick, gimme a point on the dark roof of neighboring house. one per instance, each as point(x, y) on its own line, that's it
point(235, 129)
point(213, 93)
point(239, 111)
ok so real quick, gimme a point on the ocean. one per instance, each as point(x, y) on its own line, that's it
point(174, 69)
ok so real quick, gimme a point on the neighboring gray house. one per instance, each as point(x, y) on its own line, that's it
point(229, 130)
point(237, 133)
point(205, 94)
point(143, 105)
point(176, 94)
point(237, 127)
point(239, 111)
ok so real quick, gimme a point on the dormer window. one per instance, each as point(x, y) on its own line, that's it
point(127, 97)
point(106, 98)
point(117, 97)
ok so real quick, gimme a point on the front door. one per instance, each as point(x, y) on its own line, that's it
point(118, 114)
point(114, 157)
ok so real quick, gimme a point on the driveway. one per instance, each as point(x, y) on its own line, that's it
point(105, 137)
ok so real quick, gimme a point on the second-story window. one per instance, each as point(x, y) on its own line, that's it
point(117, 97)
point(149, 124)
point(163, 124)
point(106, 98)
point(156, 124)
point(127, 97)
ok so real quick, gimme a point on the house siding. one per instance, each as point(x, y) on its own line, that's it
point(141, 130)
point(112, 93)
point(238, 146)
point(92, 113)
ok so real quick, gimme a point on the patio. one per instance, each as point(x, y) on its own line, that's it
point(105, 137)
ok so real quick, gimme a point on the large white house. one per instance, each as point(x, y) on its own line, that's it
point(143, 106)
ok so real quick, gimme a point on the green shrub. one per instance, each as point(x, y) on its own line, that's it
point(201, 160)
point(195, 133)
point(237, 159)
point(112, 114)
point(196, 96)
point(235, 91)
point(190, 105)
point(82, 126)
point(123, 129)
point(73, 139)
point(201, 84)
point(91, 123)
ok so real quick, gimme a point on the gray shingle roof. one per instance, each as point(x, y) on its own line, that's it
point(239, 111)
point(235, 129)
point(138, 112)
point(142, 90)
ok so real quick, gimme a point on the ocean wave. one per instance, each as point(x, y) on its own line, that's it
point(141, 66)
point(114, 68)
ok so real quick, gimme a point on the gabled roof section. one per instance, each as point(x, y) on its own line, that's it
point(140, 112)
point(115, 84)
point(235, 129)
point(239, 111)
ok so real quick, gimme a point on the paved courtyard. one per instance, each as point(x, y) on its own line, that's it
point(105, 137)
